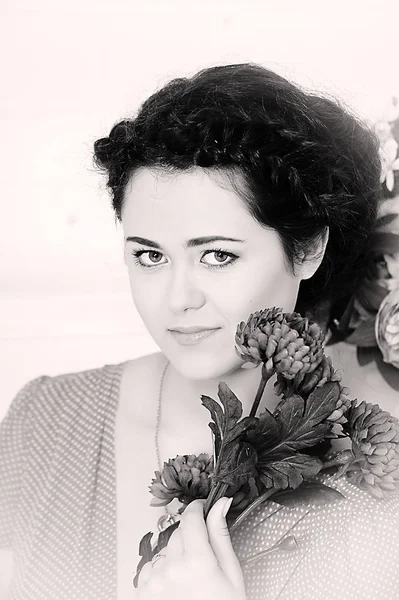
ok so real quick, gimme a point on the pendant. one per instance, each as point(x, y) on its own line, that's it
point(166, 520)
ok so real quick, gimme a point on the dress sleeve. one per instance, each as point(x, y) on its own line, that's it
point(353, 553)
point(372, 556)
point(347, 549)
point(14, 436)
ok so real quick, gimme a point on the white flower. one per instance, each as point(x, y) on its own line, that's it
point(389, 162)
point(392, 262)
point(384, 131)
point(387, 328)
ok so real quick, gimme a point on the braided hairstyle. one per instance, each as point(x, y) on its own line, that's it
point(305, 162)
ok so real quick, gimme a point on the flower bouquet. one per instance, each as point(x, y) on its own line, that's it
point(371, 317)
point(280, 455)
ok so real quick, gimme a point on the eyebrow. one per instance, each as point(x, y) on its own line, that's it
point(201, 241)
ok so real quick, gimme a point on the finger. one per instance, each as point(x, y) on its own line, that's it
point(145, 575)
point(158, 562)
point(219, 538)
point(194, 533)
point(175, 546)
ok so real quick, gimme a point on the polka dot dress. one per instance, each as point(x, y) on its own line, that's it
point(57, 486)
point(58, 510)
point(347, 550)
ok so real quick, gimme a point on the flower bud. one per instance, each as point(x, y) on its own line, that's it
point(187, 477)
point(375, 447)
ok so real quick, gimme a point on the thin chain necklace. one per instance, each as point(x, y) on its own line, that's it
point(169, 518)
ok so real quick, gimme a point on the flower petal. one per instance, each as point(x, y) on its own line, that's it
point(390, 180)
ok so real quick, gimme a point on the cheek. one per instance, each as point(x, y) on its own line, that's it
point(147, 300)
point(263, 286)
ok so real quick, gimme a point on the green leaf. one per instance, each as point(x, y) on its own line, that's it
point(385, 243)
point(289, 472)
point(267, 432)
point(159, 502)
point(303, 422)
point(235, 459)
point(386, 219)
point(364, 335)
point(146, 553)
point(145, 548)
point(239, 466)
point(370, 296)
point(309, 492)
point(297, 424)
point(164, 537)
point(227, 428)
point(255, 504)
point(217, 426)
point(233, 412)
point(321, 402)
point(346, 316)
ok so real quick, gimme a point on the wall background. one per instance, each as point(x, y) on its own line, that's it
point(69, 71)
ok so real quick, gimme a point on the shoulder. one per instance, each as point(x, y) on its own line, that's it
point(359, 510)
point(69, 392)
point(143, 370)
point(55, 396)
point(364, 534)
point(141, 375)
point(145, 365)
point(345, 549)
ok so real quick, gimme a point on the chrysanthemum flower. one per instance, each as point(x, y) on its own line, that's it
point(375, 446)
point(305, 384)
point(186, 477)
point(285, 342)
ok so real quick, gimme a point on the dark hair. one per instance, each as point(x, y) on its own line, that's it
point(306, 161)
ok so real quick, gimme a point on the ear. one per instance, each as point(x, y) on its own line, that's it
point(312, 259)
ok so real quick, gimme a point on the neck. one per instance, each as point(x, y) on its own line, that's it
point(244, 383)
point(184, 421)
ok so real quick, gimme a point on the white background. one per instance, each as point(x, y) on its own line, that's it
point(69, 71)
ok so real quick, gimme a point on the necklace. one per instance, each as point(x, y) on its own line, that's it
point(169, 518)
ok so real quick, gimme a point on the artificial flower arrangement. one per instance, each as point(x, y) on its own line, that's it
point(279, 455)
point(371, 318)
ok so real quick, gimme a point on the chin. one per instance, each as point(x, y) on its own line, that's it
point(206, 366)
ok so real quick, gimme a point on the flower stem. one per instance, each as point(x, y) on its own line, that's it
point(251, 507)
point(218, 490)
point(266, 374)
point(342, 458)
point(284, 543)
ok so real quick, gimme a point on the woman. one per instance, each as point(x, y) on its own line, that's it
point(236, 191)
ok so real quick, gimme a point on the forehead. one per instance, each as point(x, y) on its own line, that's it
point(188, 201)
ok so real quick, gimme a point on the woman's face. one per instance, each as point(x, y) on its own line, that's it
point(179, 280)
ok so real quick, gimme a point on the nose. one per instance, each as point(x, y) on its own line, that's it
point(184, 291)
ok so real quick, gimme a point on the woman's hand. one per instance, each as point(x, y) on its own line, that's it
point(199, 561)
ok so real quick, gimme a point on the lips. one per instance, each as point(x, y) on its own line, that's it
point(189, 339)
point(192, 329)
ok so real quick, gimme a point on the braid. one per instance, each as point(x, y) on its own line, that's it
point(308, 163)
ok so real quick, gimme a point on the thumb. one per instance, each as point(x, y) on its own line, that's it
point(219, 539)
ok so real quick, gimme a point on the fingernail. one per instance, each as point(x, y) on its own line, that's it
point(226, 507)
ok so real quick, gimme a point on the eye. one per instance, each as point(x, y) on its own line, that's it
point(219, 254)
point(137, 258)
